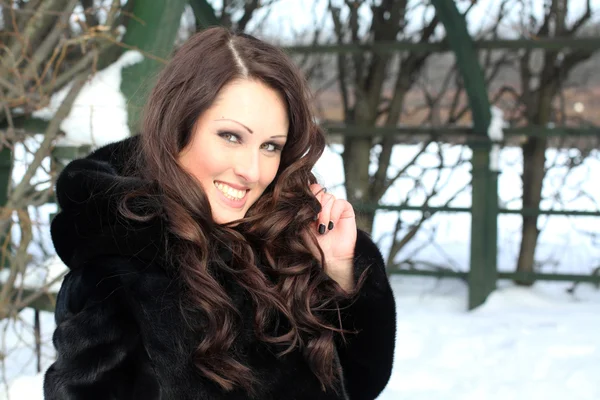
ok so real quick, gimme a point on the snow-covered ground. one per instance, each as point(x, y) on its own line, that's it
point(539, 343)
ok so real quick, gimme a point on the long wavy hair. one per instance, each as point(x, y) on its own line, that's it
point(291, 284)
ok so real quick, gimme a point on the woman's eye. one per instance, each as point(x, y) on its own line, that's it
point(271, 147)
point(230, 137)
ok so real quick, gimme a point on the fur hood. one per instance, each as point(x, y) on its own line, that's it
point(88, 193)
point(120, 334)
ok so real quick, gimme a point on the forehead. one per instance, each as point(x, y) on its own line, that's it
point(252, 103)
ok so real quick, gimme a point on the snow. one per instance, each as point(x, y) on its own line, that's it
point(53, 268)
point(523, 343)
point(27, 387)
point(496, 134)
point(99, 113)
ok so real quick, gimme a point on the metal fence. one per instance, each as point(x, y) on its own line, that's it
point(482, 275)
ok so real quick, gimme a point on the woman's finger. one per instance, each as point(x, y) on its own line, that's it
point(327, 201)
point(337, 209)
point(315, 188)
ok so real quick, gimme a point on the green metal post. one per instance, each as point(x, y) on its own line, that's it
point(492, 215)
point(482, 272)
point(204, 13)
point(153, 31)
point(5, 171)
point(5, 168)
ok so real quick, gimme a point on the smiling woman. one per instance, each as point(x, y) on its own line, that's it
point(206, 261)
point(235, 148)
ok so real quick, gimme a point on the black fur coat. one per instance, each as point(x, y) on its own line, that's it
point(120, 334)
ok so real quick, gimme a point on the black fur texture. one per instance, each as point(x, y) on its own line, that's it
point(120, 334)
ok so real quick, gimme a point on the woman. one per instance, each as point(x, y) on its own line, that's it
point(205, 261)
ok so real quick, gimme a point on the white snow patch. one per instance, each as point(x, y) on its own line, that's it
point(495, 133)
point(99, 114)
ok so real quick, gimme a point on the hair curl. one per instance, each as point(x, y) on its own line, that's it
point(273, 231)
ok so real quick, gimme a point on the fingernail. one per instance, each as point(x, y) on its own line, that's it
point(316, 217)
point(330, 226)
point(321, 229)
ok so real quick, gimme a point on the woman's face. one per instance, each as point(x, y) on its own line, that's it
point(235, 148)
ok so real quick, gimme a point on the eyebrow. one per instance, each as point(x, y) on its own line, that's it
point(237, 122)
point(248, 129)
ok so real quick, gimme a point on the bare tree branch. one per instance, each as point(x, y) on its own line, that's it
point(89, 10)
point(16, 195)
point(49, 43)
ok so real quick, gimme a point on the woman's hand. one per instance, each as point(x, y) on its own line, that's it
point(336, 233)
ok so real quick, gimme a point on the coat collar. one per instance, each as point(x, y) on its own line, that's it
point(88, 193)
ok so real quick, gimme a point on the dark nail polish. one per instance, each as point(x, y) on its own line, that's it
point(321, 229)
point(315, 218)
point(330, 226)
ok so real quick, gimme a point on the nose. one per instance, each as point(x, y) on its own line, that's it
point(247, 165)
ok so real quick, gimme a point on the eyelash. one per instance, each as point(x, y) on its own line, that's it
point(227, 135)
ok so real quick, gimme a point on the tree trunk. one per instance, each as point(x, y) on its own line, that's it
point(539, 111)
point(356, 169)
point(534, 159)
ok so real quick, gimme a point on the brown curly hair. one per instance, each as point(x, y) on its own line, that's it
point(275, 228)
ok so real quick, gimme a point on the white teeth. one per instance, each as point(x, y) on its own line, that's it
point(230, 192)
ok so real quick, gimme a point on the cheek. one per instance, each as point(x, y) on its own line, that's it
point(270, 171)
point(216, 163)
point(204, 165)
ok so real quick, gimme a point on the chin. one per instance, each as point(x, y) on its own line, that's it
point(223, 219)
